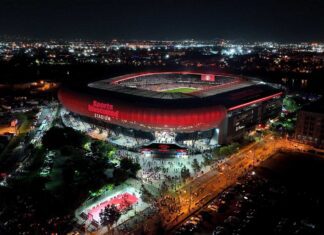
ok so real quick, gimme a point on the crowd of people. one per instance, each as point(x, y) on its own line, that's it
point(122, 201)
point(159, 171)
point(164, 137)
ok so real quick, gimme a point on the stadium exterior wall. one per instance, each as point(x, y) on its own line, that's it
point(233, 112)
point(138, 116)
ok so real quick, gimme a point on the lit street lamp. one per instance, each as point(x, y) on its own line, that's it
point(189, 198)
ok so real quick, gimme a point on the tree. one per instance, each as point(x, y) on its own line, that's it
point(109, 216)
point(53, 138)
point(185, 173)
point(128, 164)
point(290, 104)
point(75, 138)
point(135, 168)
point(57, 137)
point(120, 175)
point(195, 165)
point(164, 188)
point(101, 148)
point(208, 160)
point(227, 150)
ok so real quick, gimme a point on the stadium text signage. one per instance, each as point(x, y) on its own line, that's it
point(103, 111)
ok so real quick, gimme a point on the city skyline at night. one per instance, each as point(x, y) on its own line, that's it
point(252, 20)
point(161, 117)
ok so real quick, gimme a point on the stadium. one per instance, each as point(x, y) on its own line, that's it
point(162, 111)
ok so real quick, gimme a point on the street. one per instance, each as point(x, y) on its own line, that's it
point(187, 200)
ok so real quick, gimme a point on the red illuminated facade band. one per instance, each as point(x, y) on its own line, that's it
point(141, 117)
point(255, 101)
point(145, 110)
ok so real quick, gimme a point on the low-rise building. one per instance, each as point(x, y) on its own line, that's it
point(310, 124)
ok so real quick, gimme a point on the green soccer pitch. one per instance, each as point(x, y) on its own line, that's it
point(181, 90)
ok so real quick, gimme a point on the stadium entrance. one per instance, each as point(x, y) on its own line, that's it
point(164, 150)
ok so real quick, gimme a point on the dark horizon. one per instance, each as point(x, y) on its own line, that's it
point(26, 38)
point(291, 21)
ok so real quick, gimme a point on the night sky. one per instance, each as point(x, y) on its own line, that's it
point(279, 20)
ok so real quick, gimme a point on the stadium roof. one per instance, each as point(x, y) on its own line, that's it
point(137, 92)
point(230, 95)
point(146, 109)
point(116, 85)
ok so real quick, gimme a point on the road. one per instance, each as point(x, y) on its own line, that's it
point(44, 121)
point(204, 190)
point(7, 129)
point(194, 195)
point(206, 187)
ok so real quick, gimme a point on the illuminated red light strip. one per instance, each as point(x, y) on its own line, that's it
point(254, 101)
point(145, 118)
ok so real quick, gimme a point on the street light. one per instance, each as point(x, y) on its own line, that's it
point(189, 198)
point(253, 156)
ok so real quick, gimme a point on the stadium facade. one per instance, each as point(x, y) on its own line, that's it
point(216, 107)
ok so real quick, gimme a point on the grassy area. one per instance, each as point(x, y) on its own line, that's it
point(181, 90)
point(11, 145)
point(26, 122)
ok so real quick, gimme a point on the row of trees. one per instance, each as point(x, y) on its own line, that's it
point(74, 171)
point(227, 149)
point(102, 149)
point(290, 104)
point(219, 153)
point(57, 137)
point(81, 162)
